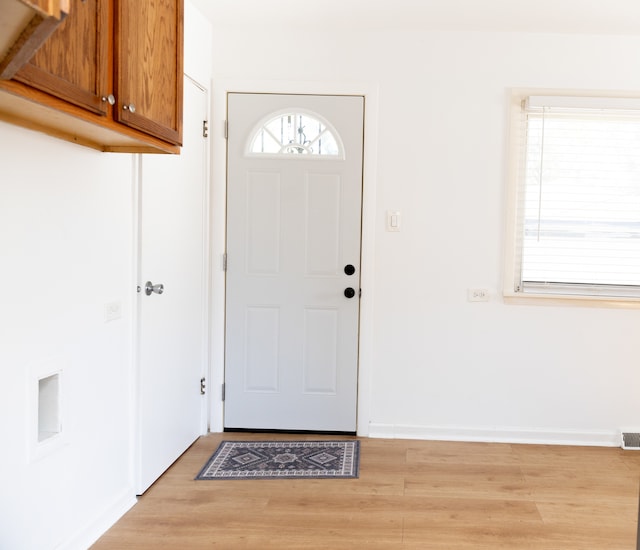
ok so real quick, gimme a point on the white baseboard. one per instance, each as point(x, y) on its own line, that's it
point(497, 435)
point(88, 534)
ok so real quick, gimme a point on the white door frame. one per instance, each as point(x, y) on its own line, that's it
point(219, 223)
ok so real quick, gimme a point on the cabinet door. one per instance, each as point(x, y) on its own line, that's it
point(149, 66)
point(73, 63)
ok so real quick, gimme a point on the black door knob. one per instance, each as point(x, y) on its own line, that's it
point(349, 269)
point(349, 292)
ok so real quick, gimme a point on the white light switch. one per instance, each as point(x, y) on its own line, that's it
point(393, 220)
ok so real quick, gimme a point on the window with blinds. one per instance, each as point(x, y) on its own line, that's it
point(578, 197)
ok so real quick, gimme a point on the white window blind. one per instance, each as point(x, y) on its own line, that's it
point(579, 197)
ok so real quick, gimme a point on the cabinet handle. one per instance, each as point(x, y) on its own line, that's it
point(109, 98)
point(131, 108)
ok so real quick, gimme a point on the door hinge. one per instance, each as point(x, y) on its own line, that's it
point(224, 391)
point(205, 128)
point(360, 293)
point(224, 262)
point(226, 129)
point(203, 385)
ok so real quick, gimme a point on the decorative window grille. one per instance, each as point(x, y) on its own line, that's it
point(295, 133)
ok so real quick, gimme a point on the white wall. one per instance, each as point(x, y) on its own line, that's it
point(65, 248)
point(440, 366)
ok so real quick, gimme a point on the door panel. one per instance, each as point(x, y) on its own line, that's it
point(320, 351)
point(262, 331)
point(323, 224)
point(263, 219)
point(293, 224)
point(172, 325)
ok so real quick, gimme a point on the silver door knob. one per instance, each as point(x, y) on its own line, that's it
point(131, 108)
point(109, 99)
point(149, 287)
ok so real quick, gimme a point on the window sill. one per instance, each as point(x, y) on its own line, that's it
point(534, 299)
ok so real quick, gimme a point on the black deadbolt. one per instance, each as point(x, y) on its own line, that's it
point(349, 269)
point(349, 292)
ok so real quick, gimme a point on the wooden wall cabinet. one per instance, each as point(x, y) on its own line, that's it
point(110, 77)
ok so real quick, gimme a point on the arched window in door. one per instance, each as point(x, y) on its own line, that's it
point(292, 133)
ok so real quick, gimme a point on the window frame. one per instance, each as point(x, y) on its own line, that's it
point(552, 294)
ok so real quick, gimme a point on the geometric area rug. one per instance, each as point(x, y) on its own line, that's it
point(283, 459)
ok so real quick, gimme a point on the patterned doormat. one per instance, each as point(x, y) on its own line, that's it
point(283, 459)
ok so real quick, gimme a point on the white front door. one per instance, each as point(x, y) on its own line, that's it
point(172, 324)
point(294, 194)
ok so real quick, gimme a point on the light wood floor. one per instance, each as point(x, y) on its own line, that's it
point(410, 494)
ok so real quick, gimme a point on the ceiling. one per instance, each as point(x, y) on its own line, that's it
point(616, 17)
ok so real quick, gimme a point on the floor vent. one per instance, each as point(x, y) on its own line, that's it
point(631, 441)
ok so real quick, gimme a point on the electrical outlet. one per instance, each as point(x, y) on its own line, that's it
point(112, 310)
point(478, 295)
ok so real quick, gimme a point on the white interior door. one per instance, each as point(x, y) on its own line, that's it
point(294, 198)
point(172, 324)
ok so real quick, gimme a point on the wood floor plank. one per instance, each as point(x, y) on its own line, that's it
point(583, 513)
point(483, 481)
point(428, 495)
point(447, 452)
point(512, 537)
